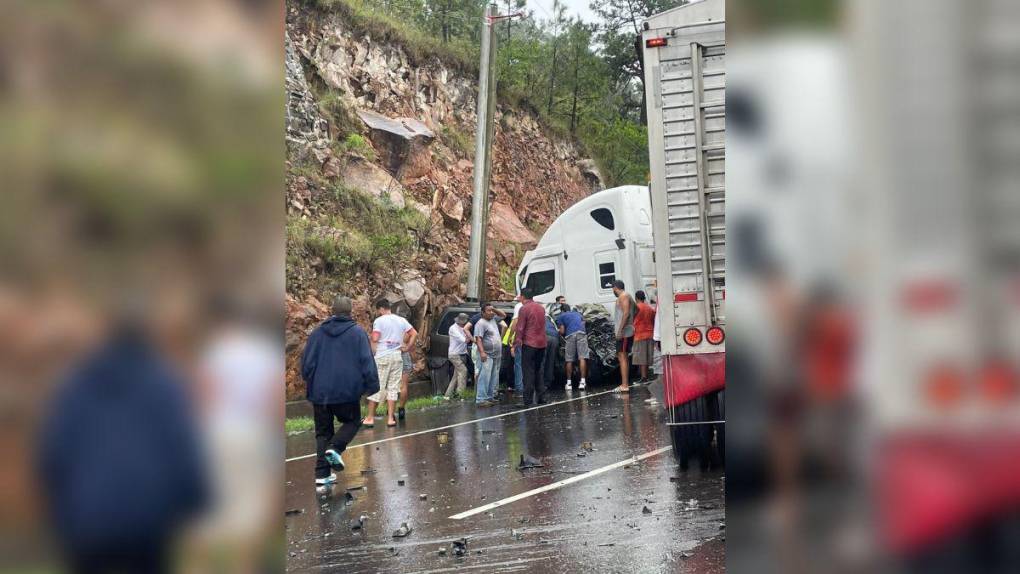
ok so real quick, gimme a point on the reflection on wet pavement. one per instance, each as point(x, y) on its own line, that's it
point(627, 519)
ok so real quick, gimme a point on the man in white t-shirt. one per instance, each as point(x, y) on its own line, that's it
point(457, 354)
point(390, 337)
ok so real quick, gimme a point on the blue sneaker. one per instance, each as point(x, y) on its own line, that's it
point(331, 479)
point(334, 460)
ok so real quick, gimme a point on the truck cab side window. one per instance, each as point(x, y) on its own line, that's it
point(604, 217)
point(542, 282)
point(607, 274)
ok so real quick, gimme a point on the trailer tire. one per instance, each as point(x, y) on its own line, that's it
point(696, 441)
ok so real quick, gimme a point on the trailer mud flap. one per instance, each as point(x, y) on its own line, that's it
point(688, 377)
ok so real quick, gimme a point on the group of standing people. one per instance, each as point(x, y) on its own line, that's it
point(342, 363)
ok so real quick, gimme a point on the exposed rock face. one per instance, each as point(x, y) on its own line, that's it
point(368, 177)
point(306, 128)
point(591, 174)
point(506, 226)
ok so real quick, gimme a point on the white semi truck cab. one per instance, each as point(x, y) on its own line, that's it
point(600, 239)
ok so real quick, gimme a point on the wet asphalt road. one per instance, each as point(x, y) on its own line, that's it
point(597, 524)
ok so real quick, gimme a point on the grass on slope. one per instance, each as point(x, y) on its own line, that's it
point(297, 425)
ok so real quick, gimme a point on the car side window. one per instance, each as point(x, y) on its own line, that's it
point(443, 326)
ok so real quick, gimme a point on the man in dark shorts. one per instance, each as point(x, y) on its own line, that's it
point(626, 309)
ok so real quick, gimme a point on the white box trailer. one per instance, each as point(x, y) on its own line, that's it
point(684, 56)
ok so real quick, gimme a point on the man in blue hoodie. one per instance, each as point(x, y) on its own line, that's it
point(338, 368)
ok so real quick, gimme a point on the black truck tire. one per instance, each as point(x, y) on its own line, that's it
point(704, 442)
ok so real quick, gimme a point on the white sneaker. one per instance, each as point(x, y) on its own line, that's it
point(569, 388)
point(581, 385)
point(331, 479)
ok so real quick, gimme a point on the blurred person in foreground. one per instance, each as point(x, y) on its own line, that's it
point(339, 368)
point(242, 407)
point(119, 458)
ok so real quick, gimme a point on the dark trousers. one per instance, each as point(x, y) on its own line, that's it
point(534, 381)
point(134, 557)
point(349, 415)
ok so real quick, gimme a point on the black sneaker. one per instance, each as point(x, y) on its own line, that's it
point(400, 414)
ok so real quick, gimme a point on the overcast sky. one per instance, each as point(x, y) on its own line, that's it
point(543, 8)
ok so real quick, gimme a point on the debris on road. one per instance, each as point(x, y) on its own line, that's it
point(646, 510)
point(529, 462)
point(400, 483)
point(403, 531)
point(367, 471)
point(442, 551)
point(423, 497)
point(586, 445)
point(294, 511)
point(607, 544)
point(692, 504)
point(348, 498)
point(460, 547)
point(358, 523)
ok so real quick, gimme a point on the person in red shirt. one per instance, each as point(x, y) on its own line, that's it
point(643, 346)
point(530, 340)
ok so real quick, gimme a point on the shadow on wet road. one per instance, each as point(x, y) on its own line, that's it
point(628, 519)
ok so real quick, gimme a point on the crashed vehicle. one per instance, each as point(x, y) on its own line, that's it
point(438, 346)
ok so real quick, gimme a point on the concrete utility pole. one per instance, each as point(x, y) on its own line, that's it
point(483, 158)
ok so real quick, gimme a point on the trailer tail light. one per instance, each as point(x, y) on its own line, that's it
point(715, 335)
point(998, 385)
point(944, 387)
point(692, 337)
point(655, 42)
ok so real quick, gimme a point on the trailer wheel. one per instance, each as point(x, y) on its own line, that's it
point(696, 441)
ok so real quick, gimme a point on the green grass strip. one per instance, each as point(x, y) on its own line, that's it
point(298, 425)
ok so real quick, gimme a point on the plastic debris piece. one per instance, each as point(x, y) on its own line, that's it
point(529, 462)
point(403, 531)
point(358, 523)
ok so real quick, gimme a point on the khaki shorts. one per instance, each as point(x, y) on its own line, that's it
point(390, 369)
point(577, 347)
point(644, 352)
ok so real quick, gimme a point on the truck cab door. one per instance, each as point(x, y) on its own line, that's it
point(545, 279)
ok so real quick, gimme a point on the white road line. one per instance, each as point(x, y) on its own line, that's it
point(506, 414)
point(559, 484)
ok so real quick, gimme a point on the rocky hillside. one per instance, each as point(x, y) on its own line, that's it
point(380, 147)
